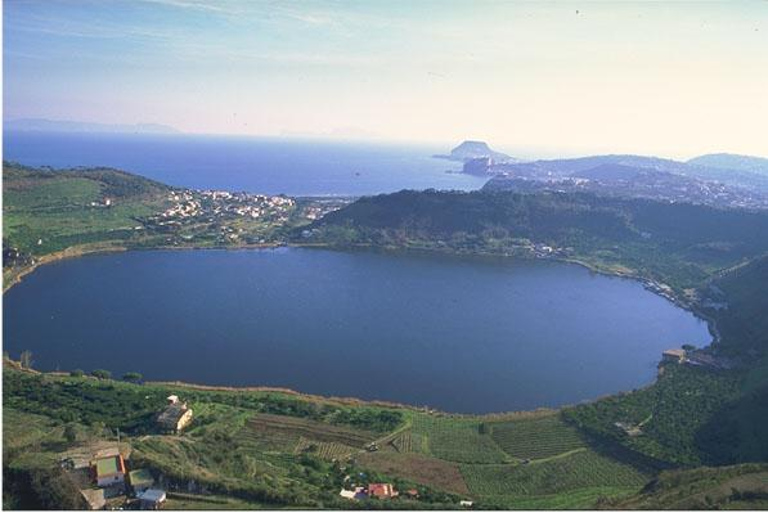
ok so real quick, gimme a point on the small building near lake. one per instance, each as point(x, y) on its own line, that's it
point(675, 355)
point(152, 499)
point(382, 491)
point(109, 471)
point(176, 416)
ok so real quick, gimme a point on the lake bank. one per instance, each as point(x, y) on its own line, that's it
point(313, 310)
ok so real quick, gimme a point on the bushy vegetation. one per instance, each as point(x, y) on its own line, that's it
point(88, 401)
point(672, 413)
point(744, 486)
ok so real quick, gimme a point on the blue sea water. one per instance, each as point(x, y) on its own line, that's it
point(267, 165)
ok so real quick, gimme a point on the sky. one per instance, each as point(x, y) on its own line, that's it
point(673, 79)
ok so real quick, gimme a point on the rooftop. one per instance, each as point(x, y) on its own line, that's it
point(141, 476)
point(109, 466)
point(154, 495)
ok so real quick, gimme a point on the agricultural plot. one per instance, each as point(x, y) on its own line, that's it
point(436, 473)
point(328, 451)
point(581, 470)
point(536, 438)
point(266, 425)
point(406, 442)
point(457, 439)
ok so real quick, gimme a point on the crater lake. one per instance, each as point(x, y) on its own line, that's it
point(460, 335)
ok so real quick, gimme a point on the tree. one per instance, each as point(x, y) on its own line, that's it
point(26, 359)
point(102, 374)
point(76, 373)
point(133, 377)
point(70, 432)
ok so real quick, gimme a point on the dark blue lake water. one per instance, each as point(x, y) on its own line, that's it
point(265, 165)
point(459, 335)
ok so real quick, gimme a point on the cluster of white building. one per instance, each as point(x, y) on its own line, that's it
point(217, 202)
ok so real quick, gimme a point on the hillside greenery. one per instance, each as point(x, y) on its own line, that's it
point(679, 244)
point(276, 449)
point(46, 211)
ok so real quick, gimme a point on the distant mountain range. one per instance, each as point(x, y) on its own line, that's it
point(722, 180)
point(50, 125)
point(732, 162)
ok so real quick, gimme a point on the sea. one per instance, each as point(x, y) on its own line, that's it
point(296, 167)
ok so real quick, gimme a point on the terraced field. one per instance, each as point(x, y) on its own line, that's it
point(436, 473)
point(407, 442)
point(268, 425)
point(328, 451)
point(535, 438)
point(581, 470)
point(457, 439)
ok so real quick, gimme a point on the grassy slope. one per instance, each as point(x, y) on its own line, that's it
point(47, 211)
point(744, 486)
point(238, 446)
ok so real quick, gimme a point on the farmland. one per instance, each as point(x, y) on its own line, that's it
point(457, 439)
point(581, 470)
point(535, 438)
point(429, 471)
point(268, 424)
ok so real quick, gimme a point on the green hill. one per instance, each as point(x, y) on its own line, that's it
point(45, 211)
point(679, 244)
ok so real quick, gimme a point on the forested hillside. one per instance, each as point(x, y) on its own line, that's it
point(680, 244)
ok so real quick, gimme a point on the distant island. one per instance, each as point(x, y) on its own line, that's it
point(53, 125)
point(472, 149)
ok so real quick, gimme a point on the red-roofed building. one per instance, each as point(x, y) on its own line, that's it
point(381, 491)
point(108, 470)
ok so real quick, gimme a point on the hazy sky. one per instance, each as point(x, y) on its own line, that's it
point(673, 79)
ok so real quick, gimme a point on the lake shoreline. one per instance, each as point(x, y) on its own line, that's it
point(74, 252)
point(649, 284)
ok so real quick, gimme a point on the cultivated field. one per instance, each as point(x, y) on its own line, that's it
point(457, 439)
point(535, 438)
point(436, 473)
point(580, 470)
point(311, 431)
point(324, 450)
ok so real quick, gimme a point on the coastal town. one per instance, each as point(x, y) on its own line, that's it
point(219, 217)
